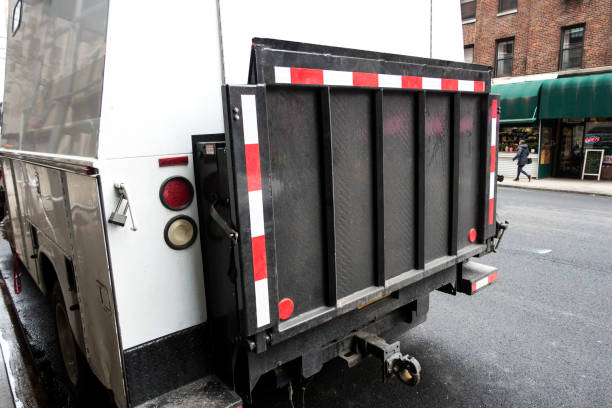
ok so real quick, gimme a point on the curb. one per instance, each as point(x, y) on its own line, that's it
point(558, 190)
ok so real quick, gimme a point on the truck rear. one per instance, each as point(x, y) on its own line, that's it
point(347, 186)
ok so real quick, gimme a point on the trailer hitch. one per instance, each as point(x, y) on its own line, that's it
point(402, 366)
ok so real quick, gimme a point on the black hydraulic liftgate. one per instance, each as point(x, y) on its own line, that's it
point(351, 184)
point(344, 179)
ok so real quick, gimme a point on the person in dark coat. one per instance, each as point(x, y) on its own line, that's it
point(521, 155)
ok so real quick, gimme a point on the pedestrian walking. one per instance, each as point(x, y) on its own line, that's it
point(523, 159)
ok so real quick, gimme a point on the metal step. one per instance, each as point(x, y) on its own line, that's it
point(207, 392)
point(475, 277)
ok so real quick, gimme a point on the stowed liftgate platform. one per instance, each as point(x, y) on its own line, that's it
point(343, 177)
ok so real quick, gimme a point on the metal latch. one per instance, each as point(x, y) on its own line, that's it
point(119, 216)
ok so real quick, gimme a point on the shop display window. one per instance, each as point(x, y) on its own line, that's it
point(598, 135)
point(509, 137)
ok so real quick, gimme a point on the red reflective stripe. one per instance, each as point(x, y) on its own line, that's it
point(253, 169)
point(479, 86)
point(173, 161)
point(493, 152)
point(306, 76)
point(473, 287)
point(412, 82)
point(494, 108)
point(365, 79)
point(260, 267)
point(450, 84)
point(493, 277)
point(491, 208)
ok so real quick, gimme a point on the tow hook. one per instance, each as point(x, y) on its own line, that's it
point(395, 364)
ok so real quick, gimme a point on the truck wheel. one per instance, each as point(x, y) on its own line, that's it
point(74, 363)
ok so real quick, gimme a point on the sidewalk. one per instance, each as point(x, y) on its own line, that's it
point(603, 187)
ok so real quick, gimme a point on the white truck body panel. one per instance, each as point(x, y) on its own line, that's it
point(158, 290)
point(392, 26)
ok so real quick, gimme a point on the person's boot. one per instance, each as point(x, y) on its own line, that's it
point(516, 179)
point(529, 177)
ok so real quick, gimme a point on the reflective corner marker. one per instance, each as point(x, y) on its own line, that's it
point(256, 214)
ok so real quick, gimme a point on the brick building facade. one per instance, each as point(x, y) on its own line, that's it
point(552, 67)
point(537, 28)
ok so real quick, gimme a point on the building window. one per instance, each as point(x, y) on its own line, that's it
point(468, 10)
point(504, 54)
point(507, 5)
point(572, 43)
point(468, 54)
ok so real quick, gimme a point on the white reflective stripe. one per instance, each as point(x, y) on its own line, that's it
point(492, 185)
point(465, 85)
point(482, 282)
point(432, 83)
point(262, 302)
point(389, 81)
point(249, 119)
point(337, 78)
point(256, 213)
point(493, 131)
point(282, 75)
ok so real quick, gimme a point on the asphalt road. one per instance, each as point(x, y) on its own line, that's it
point(539, 337)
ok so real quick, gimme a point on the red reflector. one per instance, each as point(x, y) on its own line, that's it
point(173, 161)
point(472, 235)
point(285, 308)
point(176, 193)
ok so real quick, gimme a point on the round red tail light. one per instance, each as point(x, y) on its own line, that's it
point(176, 193)
point(472, 235)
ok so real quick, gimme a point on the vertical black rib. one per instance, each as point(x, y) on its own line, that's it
point(328, 174)
point(420, 174)
point(380, 193)
point(484, 166)
point(454, 201)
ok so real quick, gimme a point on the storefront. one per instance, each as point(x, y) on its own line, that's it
point(559, 119)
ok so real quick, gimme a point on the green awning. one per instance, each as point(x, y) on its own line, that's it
point(519, 101)
point(588, 96)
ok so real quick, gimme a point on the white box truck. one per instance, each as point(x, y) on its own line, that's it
point(114, 112)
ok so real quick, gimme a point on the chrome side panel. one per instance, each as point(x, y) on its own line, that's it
point(21, 184)
point(54, 69)
point(13, 207)
point(46, 206)
point(94, 283)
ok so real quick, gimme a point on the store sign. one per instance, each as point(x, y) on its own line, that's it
point(591, 140)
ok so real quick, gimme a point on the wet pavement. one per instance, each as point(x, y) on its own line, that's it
point(19, 382)
point(539, 337)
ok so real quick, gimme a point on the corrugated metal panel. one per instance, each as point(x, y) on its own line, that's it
point(507, 168)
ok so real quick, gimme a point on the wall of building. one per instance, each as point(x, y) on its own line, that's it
point(536, 28)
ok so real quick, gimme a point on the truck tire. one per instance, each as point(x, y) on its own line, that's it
point(75, 365)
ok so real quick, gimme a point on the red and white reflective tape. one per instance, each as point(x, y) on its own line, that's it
point(484, 282)
point(308, 76)
point(258, 236)
point(492, 180)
